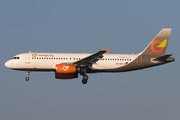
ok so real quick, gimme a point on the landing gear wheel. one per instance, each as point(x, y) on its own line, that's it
point(84, 81)
point(27, 78)
point(85, 77)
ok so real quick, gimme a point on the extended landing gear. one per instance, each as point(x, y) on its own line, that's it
point(27, 78)
point(85, 79)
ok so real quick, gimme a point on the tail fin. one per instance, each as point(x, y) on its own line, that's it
point(159, 44)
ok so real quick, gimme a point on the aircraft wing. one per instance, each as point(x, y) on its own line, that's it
point(88, 61)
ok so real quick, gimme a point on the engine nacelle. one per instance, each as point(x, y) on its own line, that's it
point(66, 75)
point(65, 68)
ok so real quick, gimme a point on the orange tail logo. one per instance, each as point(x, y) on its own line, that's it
point(161, 45)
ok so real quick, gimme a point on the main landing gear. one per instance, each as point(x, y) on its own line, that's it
point(27, 78)
point(85, 77)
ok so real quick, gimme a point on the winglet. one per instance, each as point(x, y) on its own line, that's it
point(107, 50)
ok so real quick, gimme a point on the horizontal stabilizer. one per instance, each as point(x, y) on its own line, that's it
point(162, 58)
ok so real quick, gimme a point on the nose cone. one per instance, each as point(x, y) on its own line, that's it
point(7, 64)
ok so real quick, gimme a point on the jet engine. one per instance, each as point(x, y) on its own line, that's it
point(66, 71)
point(65, 68)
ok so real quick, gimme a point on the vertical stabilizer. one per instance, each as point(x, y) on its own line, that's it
point(159, 44)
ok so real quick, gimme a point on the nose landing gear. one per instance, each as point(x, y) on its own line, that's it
point(27, 78)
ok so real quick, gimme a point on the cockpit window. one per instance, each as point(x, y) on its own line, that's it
point(15, 58)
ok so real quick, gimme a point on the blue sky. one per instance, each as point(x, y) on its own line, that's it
point(86, 27)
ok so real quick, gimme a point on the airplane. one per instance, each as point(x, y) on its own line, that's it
point(69, 65)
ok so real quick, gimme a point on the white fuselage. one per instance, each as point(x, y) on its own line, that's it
point(48, 61)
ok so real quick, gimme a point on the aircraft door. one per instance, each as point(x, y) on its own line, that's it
point(139, 60)
point(27, 58)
